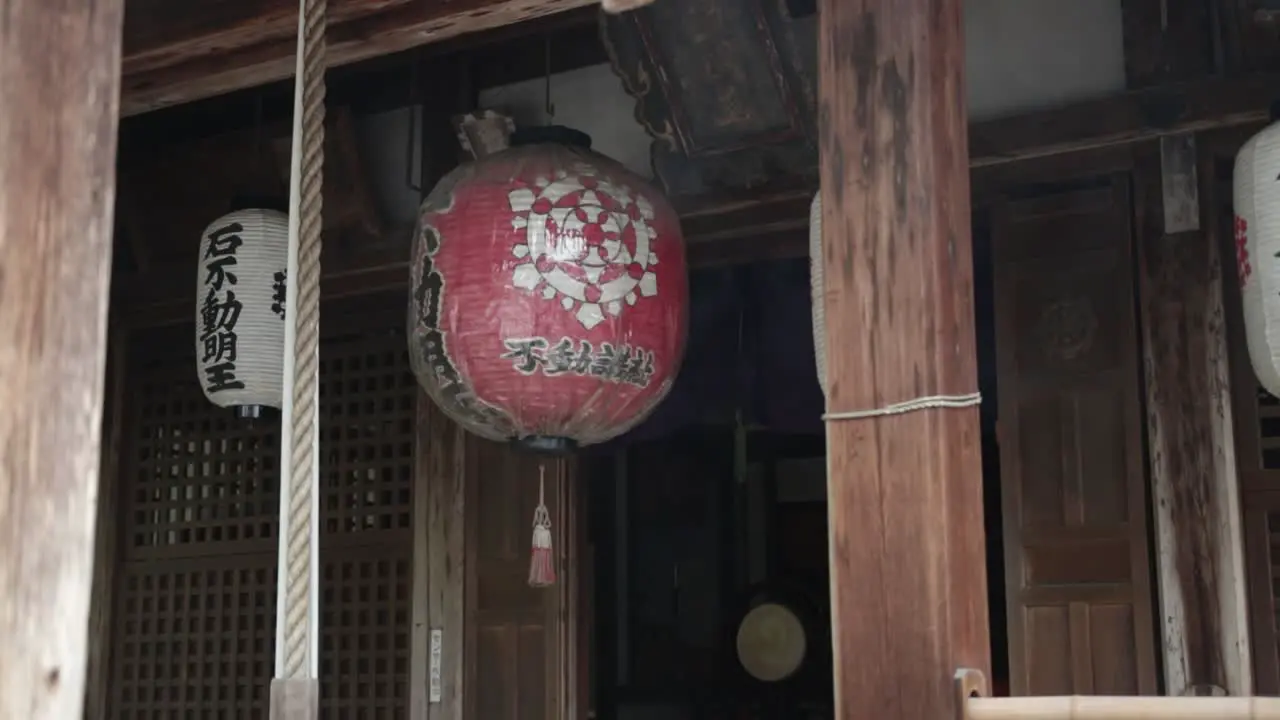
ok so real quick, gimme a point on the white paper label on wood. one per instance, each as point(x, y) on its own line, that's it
point(437, 652)
point(1179, 183)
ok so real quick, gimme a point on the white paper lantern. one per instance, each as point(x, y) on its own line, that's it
point(1257, 244)
point(240, 308)
point(815, 289)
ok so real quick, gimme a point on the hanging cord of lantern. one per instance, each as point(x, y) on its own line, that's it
point(302, 437)
point(617, 7)
point(542, 561)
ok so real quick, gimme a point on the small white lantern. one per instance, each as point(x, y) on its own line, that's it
point(815, 289)
point(240, 309)
point(1257, 246)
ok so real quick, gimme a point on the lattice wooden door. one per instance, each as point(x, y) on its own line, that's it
point(194, 627)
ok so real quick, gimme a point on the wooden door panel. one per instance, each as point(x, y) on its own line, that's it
point(519, 659)
point(1261, 542)
point(1072, 488)
point(1080, 647)
point(1073, 484)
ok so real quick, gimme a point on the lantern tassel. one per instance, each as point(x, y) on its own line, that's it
point(542, 568)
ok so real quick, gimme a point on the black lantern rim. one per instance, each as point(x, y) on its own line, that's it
point(546, 444)
point(251, 201)
point(550, 135)
point(253, 415)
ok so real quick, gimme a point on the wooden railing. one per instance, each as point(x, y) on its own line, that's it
point(973, 703)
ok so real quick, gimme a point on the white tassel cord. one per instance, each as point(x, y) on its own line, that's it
point(542, 568)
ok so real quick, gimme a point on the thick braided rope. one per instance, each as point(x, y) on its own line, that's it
point(307, 338)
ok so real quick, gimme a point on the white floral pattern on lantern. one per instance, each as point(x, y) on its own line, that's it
point(587, 242)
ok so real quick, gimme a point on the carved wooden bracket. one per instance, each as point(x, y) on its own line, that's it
point(727, 88)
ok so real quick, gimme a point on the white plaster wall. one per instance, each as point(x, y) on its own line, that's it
point(590, 99)
point(383, 141)
point(1021, 55)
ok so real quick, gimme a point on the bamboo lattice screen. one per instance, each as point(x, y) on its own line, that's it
point(194, 624)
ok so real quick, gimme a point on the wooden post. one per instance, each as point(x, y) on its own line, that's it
point(59, 77)
point(1190, 435)
point(106, 546)
point(440, 566)
point(907, 561)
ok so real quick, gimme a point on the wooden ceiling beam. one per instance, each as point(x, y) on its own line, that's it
point(774, 224)
point(171, 58)
point(158, 33)
point(1207, 104)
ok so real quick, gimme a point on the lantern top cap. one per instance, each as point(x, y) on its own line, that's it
point(550, 134)
point(248, 201)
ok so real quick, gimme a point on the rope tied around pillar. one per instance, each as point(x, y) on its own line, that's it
point(931, 402)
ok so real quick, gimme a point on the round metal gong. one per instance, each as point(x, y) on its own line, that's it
point(771, 642)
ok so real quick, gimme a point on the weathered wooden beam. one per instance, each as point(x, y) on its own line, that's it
point(1093, 128)
point(255, 47)
point(502, 56)
point(160, 32)
point(907, 556)
point(1206, 104)
point(1195, 496)
point(59, 77)
point(1179, 183)
point(1190, 436)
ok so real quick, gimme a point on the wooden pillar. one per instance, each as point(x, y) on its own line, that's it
point(905, 490)
point(1190, 438)
point(441, 562)
point(106, 546)
point(440, 566)
point(1190, 433)
point(59, 77)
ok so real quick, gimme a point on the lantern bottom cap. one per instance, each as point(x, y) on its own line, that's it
point(253, 412)
point(550, 445)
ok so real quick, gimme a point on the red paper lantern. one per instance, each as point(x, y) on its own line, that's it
point(549, 297)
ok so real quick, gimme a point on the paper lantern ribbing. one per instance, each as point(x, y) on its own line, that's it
point(816, 285)
point(1257, 244)
point(549, 297)
point(240, 308)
